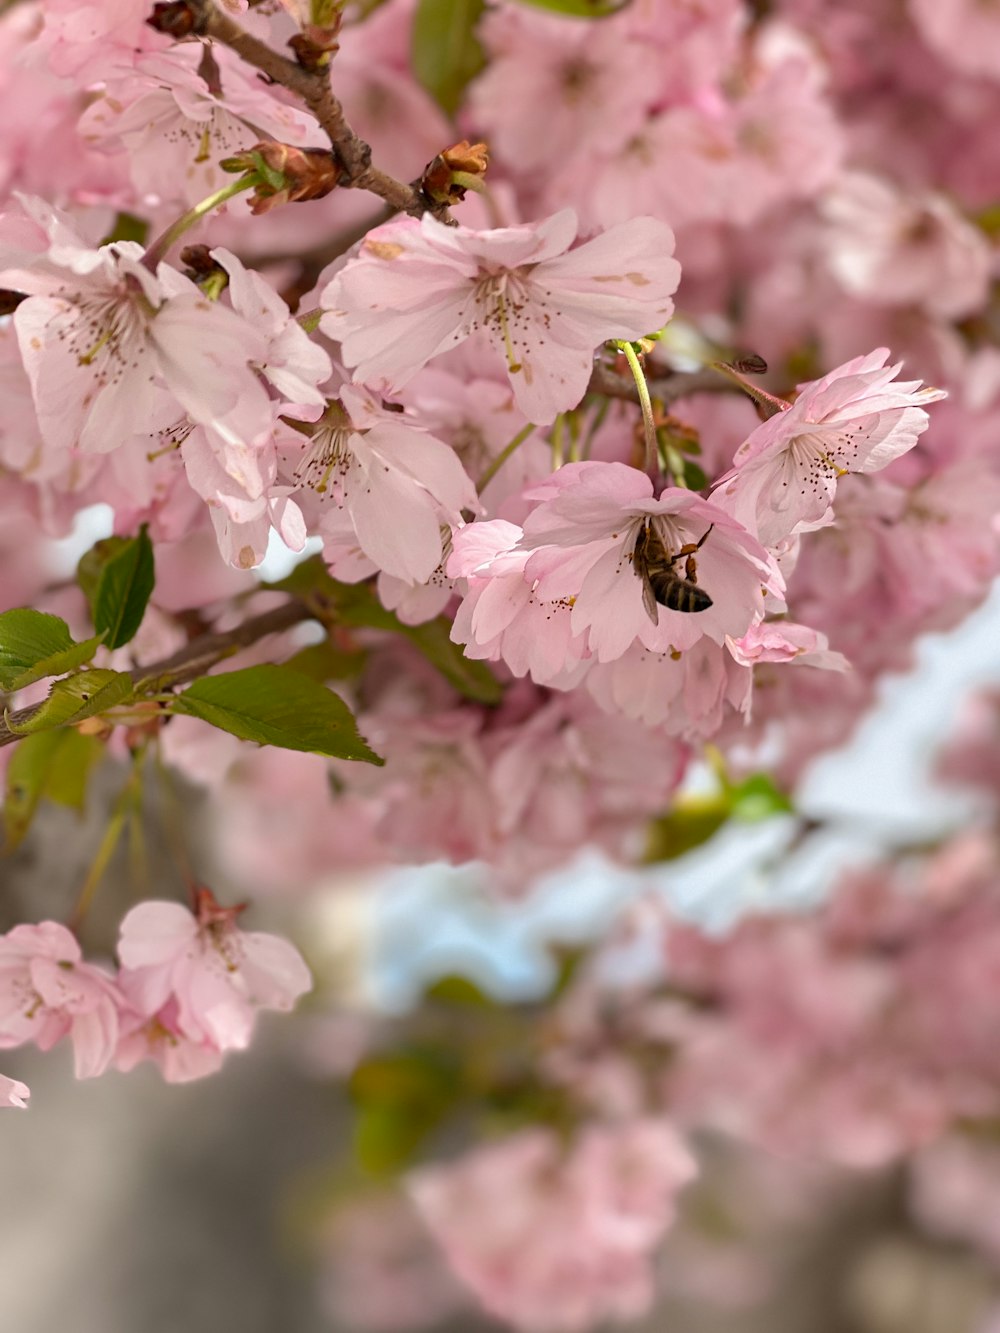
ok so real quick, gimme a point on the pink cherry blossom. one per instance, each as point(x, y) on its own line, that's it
point(900, 249)
point(855, 419)
point(501, 618)
point(390, 484)
point(416, 289)
point(175, 128)
point(550, 1241)
point(547, 72)
point(160, 1038)
point(783, 641)
point(583, 535)
point(99, 329)
point(48, 992)
point(964, 32)
point(217, 975)
point(688, 693)
point(13, 1093)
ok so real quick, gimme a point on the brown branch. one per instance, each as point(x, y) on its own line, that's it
point(353, 154)
point(193, 660)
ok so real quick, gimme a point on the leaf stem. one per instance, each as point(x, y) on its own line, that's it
point(166, 239)
point(648, 422)
point(503, 455)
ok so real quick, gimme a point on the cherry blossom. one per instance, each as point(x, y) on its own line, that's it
point(13, 1093)
point(176, 128)
point(99, 328)
point(416, 289)
point(215, 974)
point(899, 249)
point(551, 1242)
point(583, 533)
point(855, 419)
point(386, 482)
point(48, 992)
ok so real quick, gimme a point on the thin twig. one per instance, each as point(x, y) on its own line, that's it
point(353, 154)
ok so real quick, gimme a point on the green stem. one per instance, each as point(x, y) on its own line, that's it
point(502, 457)
point(166, 239)
point(112, 836)
point(648, 424)
point(557, 439)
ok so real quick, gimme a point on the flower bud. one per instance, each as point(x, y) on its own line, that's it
point(446, 179)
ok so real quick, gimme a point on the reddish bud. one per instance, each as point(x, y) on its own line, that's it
point(286, 175)
point(439, 181)
point(316, 46)
point(177, 19)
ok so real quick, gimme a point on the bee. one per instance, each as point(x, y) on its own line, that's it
point(660, 582)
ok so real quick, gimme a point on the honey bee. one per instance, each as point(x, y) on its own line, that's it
point(660, 582)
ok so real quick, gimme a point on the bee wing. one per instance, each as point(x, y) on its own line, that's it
point(649, 598)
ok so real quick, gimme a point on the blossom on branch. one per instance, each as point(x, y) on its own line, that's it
point(415, 290)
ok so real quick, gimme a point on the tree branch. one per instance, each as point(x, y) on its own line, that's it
point(193, 660)
point(353, 154)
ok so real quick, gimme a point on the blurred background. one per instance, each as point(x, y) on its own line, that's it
point(236, 1202)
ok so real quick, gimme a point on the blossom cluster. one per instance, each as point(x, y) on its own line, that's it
point(187, 991)
point(382, 420)
point(680, 427)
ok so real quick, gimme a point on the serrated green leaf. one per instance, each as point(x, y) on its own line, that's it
point(580, 9)
point(322, 661)
point(445, 54)
point(357, 606)
point(70, 701)
point(90, 564)
point(123, 588)
point(34, 644)
point(50, 764)
point(276, 705)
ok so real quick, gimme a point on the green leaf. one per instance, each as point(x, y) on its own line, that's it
point(321, 661)
point(694, 476)
point(277, 705)
point(70, 701)
point(401, 1097)
point(458, 992)
point(78, 754)
point(52, 764)
point(691, 822)
point(581, 9)
point(445, 54)
point(34, 644)
point(127, 227)
point(473, 679)
point(125, 577)
point(758, 798)
point(357, 606)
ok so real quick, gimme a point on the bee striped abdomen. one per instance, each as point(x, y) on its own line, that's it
point(661, 583)
point(679, 595)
